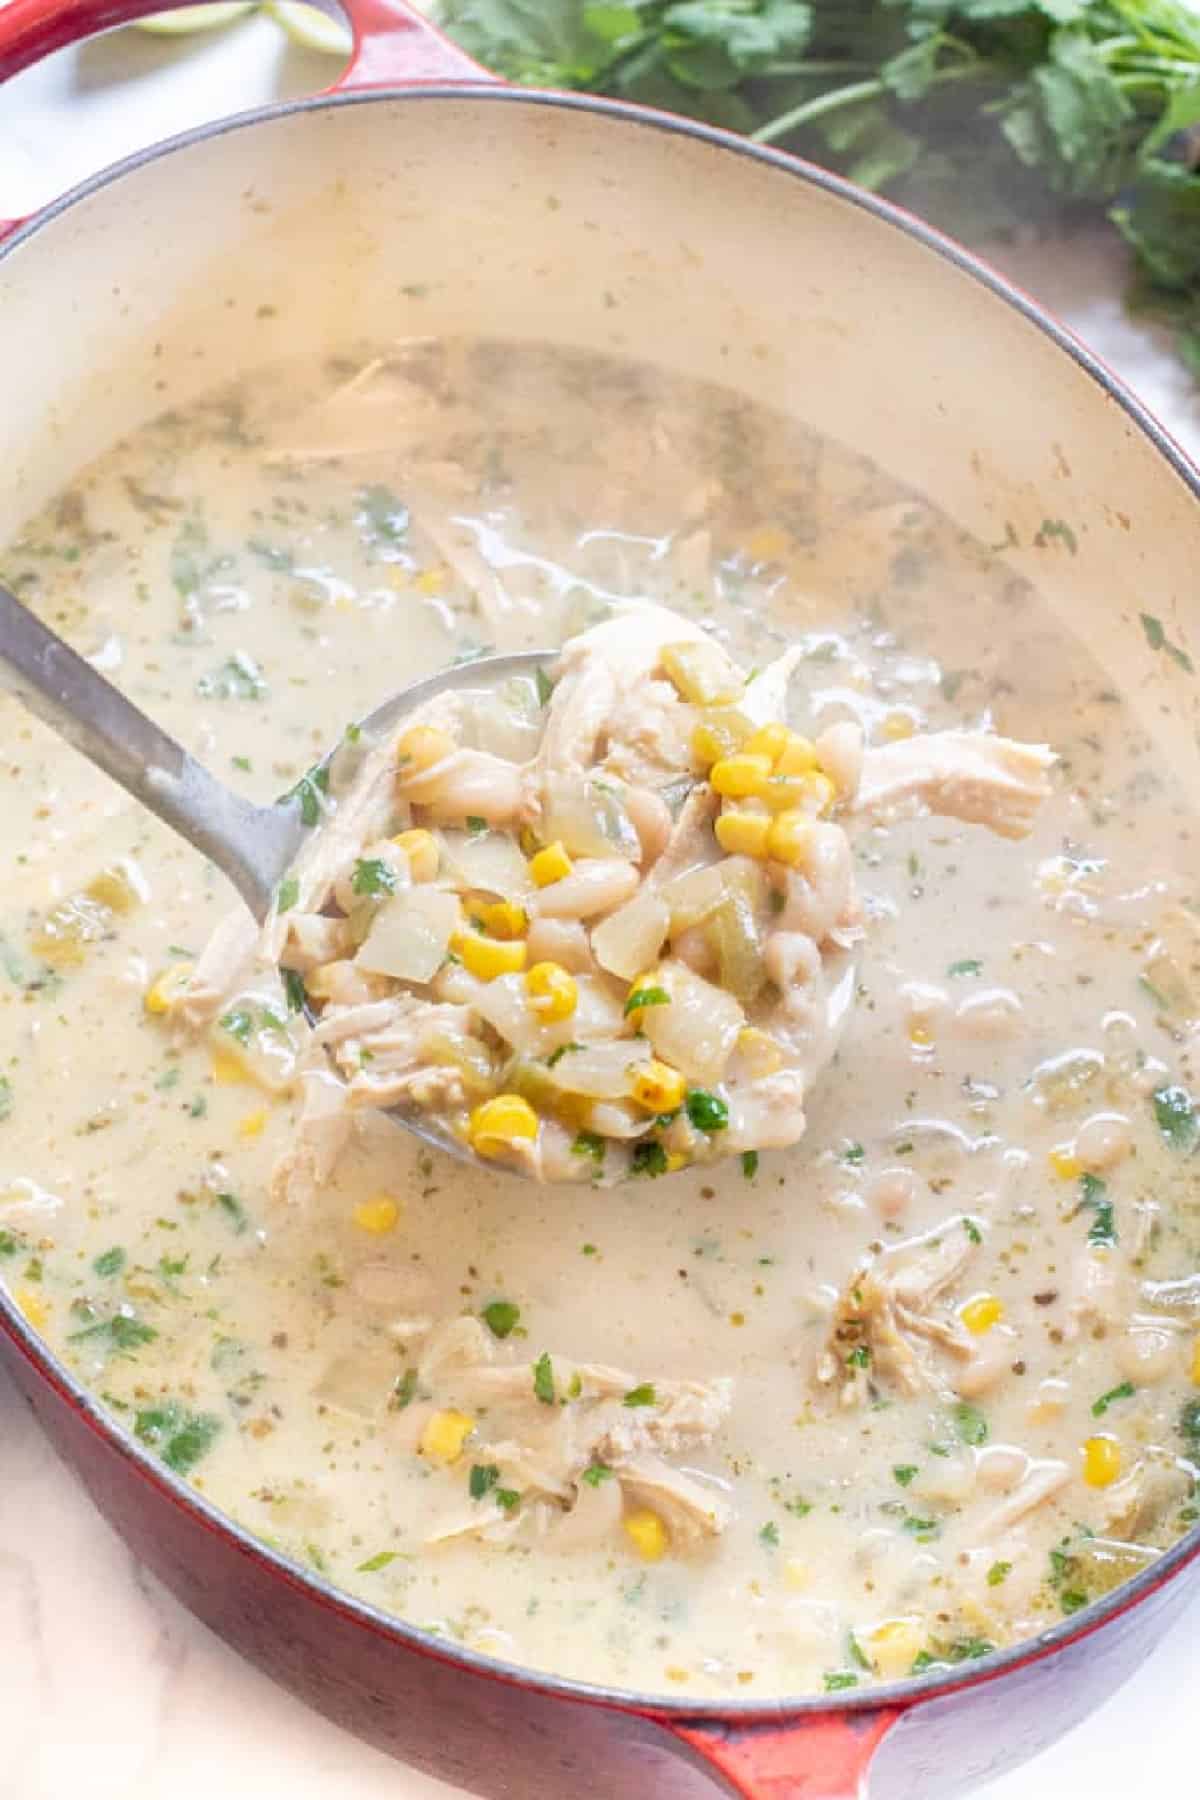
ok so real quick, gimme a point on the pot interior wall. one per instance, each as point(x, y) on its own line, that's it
point(504, 215)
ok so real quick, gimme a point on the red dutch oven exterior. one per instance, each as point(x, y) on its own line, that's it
point(468, 1719)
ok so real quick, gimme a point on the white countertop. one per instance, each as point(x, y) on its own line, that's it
point(107, 1687)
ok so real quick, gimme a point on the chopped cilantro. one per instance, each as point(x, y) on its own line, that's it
point(123, 1332)
point(1124, 1390)
point(588, 1143)
point(905, 1473)
point(749, 1164)
point(233, 1209)
point(707, 1112)
point(545, 687)
point(1157, 639)
point(373, 876)
point(6, 1097)
point(970, 965)
point(837, 1679)
point(970, 1424)
point(769, 1535)
point(543, 1379)
point(380, 1560)
point(180, 1437)
point(404, 1392)
point(287, 895)
point(1093, 1195)
point(649, 1158)
point(507, 1499)
point(111, 1262)
point(642, 1395)
point(595, 1473)
point(238, 1023)
point(972, 1230)
point(859, 1357)
point(852, 1154)
point(556, 1056)
point(482, 1479)
point(475, 825)
point(1175, 1116)
point(646, 996)
point(922, 1529)
point(998, 1572)
point(589, 1250)
point(294, 988)
point(500, 1316)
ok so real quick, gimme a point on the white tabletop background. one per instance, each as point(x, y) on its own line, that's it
point(108, 1689)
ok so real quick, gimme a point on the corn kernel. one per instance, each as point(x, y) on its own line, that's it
point(675, 1161)
point(421, 747)
point(796, 1574)
point(115, 888)
point(445, 1434)
point(377, 1215)
point(769, 740)
point(919, 1035)
point(1196, 1362)
point(421, 849)
point(743, 834)
point(797, 757)
point(740, 777)
point(550, 864)
point(552, 991)
point(789, 838)
point(759, 1051)
point(253, 1124)
point(228, 1068)
point(894, 1646)
point(658, 1087)
point(431, 581)
point(32, 1308)
point(1065, 1163)
point(701, 673)
point(168, 988)
point(502, 918)
point(498, 1123)
point(981, 1313)
point(647, 1533)
point(898, 725)
point(1101, 1461)
point(788, 793)
point(487, 957)
point(722, 731)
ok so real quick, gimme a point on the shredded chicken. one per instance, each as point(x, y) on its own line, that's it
point(884, 1307)
point(322, 1132)
point(1135, 1505)
point(966, 775)
point(1041, 1481)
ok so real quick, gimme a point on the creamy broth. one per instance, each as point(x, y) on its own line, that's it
point(1000, 1145)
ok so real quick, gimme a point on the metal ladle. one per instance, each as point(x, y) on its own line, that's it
point(254, 846)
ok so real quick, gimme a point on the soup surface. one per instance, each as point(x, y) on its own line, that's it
point(907, 1392)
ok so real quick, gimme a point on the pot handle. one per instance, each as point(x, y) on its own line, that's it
point(395, 45)
point(820, 1756)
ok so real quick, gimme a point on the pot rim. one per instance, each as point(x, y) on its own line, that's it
point(895, 1695)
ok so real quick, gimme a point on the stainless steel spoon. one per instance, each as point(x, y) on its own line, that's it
point(254, 846)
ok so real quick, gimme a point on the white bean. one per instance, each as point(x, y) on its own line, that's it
point(1145, 1354)
point(793, 962)
point(991, 1358)
point(468, 784)
point(563, 941)
point(651, 818)
point(593, 887)
point(1000, 1467)
point(840, 753)
point(819, 897)
point(892, 1192)
point(1103, 1141)
point(994, 1013)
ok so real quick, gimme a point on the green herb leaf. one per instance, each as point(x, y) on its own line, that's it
point(181, 1437)
point(769, 1535)
point(644, 997)
point(1124, 1390)
point(234, 1211)
point(482, 1479)
point(500, 1316)
point(1175, 1116)
point(970, 965)
point(381, 517)
point(545, 687)
point(597, 1472)
point(239, 677)
point(238, 1023)
point(998, 1573)
point(380, 1560)
point(836, 1680)
point(588, 1143)
point(905, 1473)
point(287, 895)
point(649, 1159)
point(543, 1380)
point(294, 988)
point(110, 1262)
point(475, 825)
point(642, 1395)
point(1157, 639)
point(707, 1112)
point(372, 876)
point(6, 1098)
point(404, 1392)
point(970, 1424)
point(507, 1499)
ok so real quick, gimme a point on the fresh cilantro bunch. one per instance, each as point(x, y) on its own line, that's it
point(981, 114)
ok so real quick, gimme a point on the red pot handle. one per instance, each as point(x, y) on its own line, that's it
point(394, 44)
point(822, 1756)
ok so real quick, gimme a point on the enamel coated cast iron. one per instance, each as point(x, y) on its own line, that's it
point(419, 196)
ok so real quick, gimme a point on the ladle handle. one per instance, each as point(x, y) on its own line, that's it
point(251, 845)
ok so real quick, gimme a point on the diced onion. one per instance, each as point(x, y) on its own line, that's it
point(508, 722)
point(588, 818)
point(697, 1030)
point(487, 860)
point(600, 1071)
point(411, 935)
point(630, 939)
